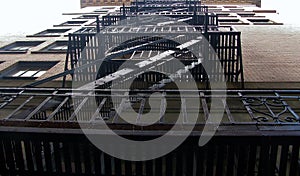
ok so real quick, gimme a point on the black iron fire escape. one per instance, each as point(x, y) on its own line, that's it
point(40, 133)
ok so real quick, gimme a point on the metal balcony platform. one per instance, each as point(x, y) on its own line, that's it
point(40, 134)
point(262, 109)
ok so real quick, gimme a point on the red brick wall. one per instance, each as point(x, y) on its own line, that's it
point(86, 3)
point(256, 2)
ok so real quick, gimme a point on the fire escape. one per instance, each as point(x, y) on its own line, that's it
point(257, 135)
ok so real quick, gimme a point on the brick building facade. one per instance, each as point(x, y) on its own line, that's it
point(86, 3)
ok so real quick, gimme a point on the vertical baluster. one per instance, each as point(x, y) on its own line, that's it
point(294, 166)
point(58, 157)
point(283, 160)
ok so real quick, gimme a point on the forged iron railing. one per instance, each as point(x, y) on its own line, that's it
point(275, 109)
point(227, 44)
point(63, 152)
point(40, 135)
point(225, 40)
point(174, 6)
point(210, 19)
point(161, 2)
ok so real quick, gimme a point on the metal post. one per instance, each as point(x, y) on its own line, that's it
point(98, 24)
point(136, 6)
point(124, 13)
point(195, 18)
point(69, 51)
point(206, 24)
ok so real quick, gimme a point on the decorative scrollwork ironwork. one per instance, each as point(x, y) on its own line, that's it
point(269, 109)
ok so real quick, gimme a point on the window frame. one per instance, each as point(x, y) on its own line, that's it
point(25, 44)
point(27, 70)
point(73, 23)
point(49, 32)
point(49, 48)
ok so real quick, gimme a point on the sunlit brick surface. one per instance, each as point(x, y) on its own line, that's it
point(271, 53)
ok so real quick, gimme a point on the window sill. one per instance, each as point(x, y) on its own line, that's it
point(13, 52)
point(17, 78)
point(43, 35)
point(48, 52)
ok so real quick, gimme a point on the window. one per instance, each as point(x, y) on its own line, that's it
point(108, 8)
point(52, 32)
point(73, 23)
point(237, 10)
point(231, 20)
point(92, 16)
point(20, 46)
point(223, 14)
point(246, 14)
point(27, 70)
point(259, 20)
point(57, 47)
point(215, 10)
point(229, 6)
point(101, 11)
point(211, 6)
